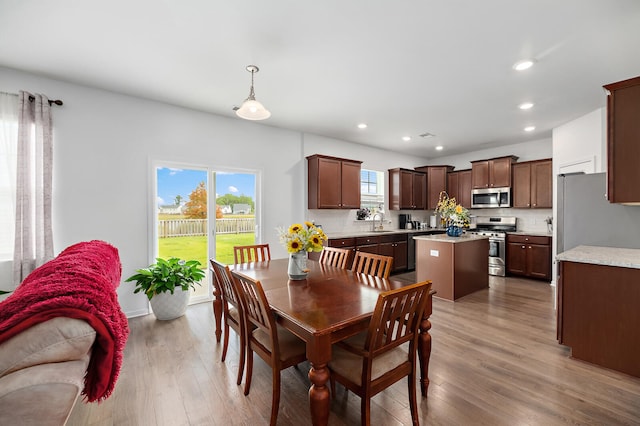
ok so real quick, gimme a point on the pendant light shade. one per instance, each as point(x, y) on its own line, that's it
point(252, 109)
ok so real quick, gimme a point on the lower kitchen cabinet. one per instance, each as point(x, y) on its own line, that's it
point(396, 247)
point(529, 256)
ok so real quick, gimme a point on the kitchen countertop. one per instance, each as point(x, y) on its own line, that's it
point(332, 235)
point(447, 239)
point(609, 256)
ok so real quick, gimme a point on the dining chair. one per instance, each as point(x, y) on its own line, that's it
point(277, 346)
point(372, 361)
point(252, 253)
point(372, 264)
point(232, 311)
point(335, 257)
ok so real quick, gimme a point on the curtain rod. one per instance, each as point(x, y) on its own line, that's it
point(51, 101)
point(32, 98)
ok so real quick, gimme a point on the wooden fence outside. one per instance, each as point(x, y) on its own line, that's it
point(193, 227)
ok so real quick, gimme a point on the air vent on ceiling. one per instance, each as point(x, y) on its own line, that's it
point(427, 135)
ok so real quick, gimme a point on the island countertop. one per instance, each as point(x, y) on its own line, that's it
point(608, 256)
point(447, 239)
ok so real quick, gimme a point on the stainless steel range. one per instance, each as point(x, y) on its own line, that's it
point(496, 229)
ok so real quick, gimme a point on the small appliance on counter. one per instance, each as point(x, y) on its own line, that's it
point(404, 220)
point(433, 221)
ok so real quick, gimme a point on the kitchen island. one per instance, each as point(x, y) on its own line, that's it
point(599, 306)
point(457, 266)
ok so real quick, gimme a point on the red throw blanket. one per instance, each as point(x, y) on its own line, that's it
point(80, 283)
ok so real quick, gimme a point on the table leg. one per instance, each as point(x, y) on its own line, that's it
point(319, 394)
point(217, 310)
point(424, 348)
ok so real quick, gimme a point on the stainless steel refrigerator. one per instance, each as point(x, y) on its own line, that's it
point(585, 217)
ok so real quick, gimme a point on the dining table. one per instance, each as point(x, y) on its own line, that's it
point(330, 305)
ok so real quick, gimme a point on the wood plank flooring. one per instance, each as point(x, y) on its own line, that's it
point(495, 361)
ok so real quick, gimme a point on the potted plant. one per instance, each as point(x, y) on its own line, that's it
point(160, 281)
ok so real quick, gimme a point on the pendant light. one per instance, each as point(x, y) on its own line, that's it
point(252, 109)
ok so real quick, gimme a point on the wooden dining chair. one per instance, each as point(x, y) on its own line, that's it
point(277, 346)
point(232, 312)
point(372, 361)
point(253, 253)
point(335, 257)
point(372, 264)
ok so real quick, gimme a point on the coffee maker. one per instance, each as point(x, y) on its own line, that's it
point(404, 219)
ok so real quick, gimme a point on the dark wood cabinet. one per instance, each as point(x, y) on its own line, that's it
point(532, 184)
point(492, 173)
point(436, 183)
point(623, 141)
point(529, 256)
point(407, 189)
point(459, 187)
point(368, 244)
point(396, 247)
point(333, 183)
point(599, 313)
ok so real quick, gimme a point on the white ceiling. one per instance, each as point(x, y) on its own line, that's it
point(404, 67)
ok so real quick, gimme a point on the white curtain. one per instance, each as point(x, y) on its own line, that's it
point(33, 234)
point(8, 161)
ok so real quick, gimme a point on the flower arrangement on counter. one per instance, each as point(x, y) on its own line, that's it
point(307, 237)
point(454, 214)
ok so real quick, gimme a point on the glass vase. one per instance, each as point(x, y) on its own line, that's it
point(298, 265)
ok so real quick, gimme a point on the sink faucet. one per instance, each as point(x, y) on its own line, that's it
point(377, 228)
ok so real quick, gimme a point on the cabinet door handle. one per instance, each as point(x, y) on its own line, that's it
point(529, 246)
point(523, 247)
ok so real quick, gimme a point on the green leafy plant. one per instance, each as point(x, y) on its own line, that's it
point(167, 275)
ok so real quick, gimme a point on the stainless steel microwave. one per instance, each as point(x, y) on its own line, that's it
point(490, 198)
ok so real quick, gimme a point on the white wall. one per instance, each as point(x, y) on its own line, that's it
point(104, 143)
point(526, 151)
point(579, 145)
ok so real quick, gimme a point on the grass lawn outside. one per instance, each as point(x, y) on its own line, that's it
point(195, 247)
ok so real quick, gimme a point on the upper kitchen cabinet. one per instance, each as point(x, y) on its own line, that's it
point(532, 186)
point(407, 189)
point(623, 141)
point(459, 187)
point(436, 182)
point(334, 183)
point(492, 173)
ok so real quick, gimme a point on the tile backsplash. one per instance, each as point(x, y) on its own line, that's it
point(339, 221)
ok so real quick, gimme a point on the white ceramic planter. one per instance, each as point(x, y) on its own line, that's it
point(167, 306)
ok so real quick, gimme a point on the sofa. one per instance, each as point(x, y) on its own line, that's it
point(62, 335)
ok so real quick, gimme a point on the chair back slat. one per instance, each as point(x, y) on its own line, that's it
point(256, 306)
point(335, 257)
point(225, 282)
point(372, 264)
point(252, 253)
point(397, 317)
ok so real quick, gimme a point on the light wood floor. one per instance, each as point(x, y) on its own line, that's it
point(495, 361)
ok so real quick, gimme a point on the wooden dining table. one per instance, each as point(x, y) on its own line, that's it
point(330, 305)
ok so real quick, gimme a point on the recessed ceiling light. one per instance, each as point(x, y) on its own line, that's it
point(406, 138)
point(526, 105)
point(362, 126)
point(523, 65)
point(529, 128)
point(439, 148)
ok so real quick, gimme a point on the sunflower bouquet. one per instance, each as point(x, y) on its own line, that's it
point(454, 214)
point(298, 237)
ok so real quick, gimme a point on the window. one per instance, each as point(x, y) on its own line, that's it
point(372, 190)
